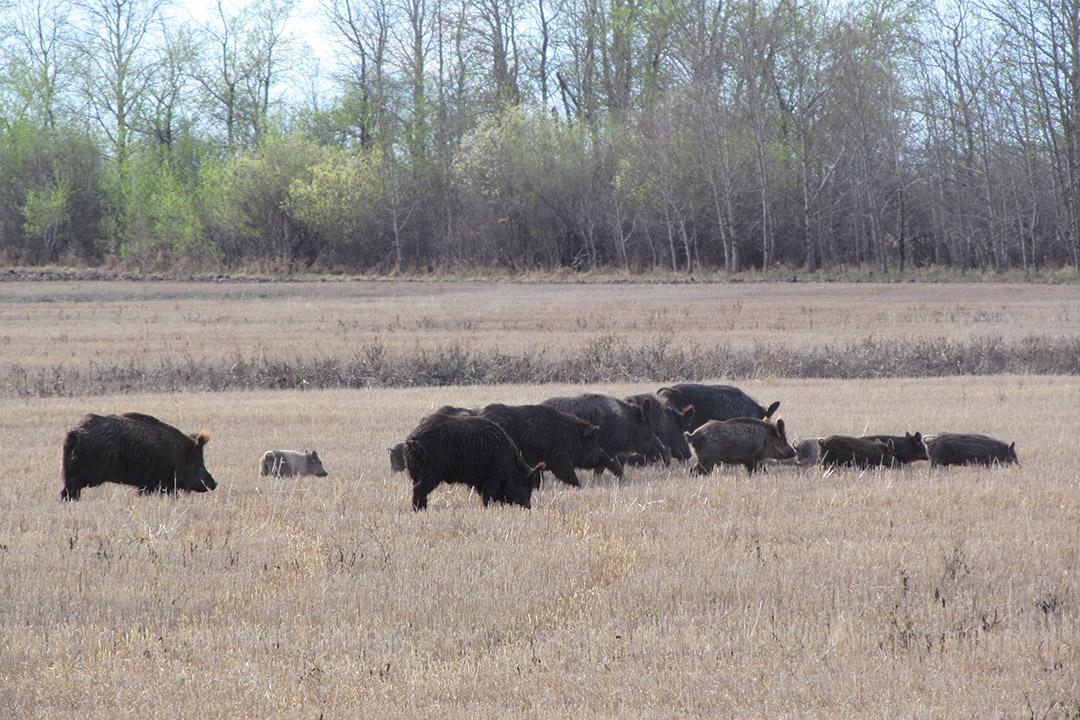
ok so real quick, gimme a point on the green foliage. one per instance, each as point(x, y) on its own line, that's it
point(341, 198)
point(153, 220)
point(46, 210)
point(260, 180)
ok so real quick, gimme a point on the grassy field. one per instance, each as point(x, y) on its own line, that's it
point(951, 593)
point(79, 323)
point(795, 593)
point(99, 338)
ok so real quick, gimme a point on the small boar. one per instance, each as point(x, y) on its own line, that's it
point(806, 452)
point(397, 458)
point(739, 441)
point(472, 451)
point(282, 463)
point(715, 402)
point(907, 448)
point(670, 425)
point(560, 441)
point(857, 452)
point(623, 428)
point(964, 449)
point(133, 449)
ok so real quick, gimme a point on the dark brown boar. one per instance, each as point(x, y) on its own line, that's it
point(907, 447)
point(740, 441)
point(560, 441)
point(715, 402)
point(133, 449)
point(623, 428)
point(669, 425)
point(856, 452)
point(471, 451)
point(969, 449)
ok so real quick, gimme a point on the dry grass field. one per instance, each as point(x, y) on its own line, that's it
point(77, 324)
point(796, 593)
point(952, 593)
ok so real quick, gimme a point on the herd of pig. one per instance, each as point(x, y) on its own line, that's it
point(502, 450)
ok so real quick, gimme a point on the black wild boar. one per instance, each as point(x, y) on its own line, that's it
point(857, 452)
point(397, 452)
point(715, 402)
point(671, 423)
point(472, 451)
point(287, 463)
point(542, 434)
point(133, 449)
point(907, 448)
point(739, 441)
point(624, 428)
point(560, 441)
point(965, 449)
point(397, 458)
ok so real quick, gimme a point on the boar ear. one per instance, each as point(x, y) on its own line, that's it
point(645, 409)
point(201, 438)
point(688, 413)
point(1012, 447)
point(780, 427)
point(821, 444)
point(772, 408)
point(918, 437)
point(891, 445)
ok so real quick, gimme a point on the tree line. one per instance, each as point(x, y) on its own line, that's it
point(522, 134)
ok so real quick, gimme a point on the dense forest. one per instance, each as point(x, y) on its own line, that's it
point(633, 134)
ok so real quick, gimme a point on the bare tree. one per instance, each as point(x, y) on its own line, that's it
point(117, 66)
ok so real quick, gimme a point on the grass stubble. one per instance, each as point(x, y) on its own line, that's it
point(911, 593)
point(102, 338)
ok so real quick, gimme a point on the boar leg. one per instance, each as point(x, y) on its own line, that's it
point(564, 471)
point(420, 492)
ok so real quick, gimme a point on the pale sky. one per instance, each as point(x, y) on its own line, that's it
point(313, 37)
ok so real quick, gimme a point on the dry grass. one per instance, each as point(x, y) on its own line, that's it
point(910, 594)
point(78, 324)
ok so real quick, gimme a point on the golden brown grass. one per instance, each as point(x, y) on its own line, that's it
point(78, 324)
point(951, 593)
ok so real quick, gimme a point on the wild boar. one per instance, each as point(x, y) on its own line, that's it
point(807, 451)
point(397, 452)
point(967, 449)
point(623, 428)
point(397, 458)
point(907, 448)
point(133, 449)
point(857, 452)
point(471, 451)
point(560, 441)
point(739, 441)
point(671, 423)
point(715, 402)
point(284, 463)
